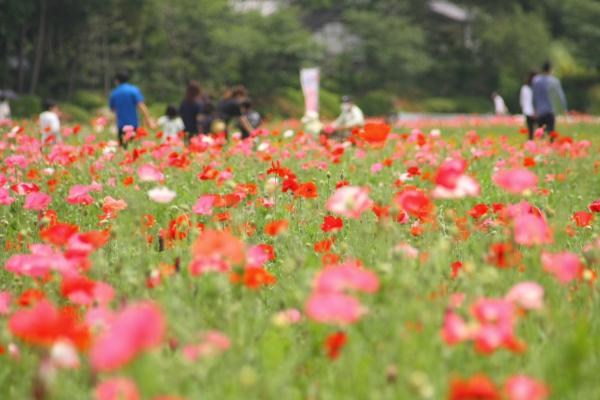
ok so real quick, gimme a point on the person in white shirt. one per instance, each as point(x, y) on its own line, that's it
point(50, 123)
point(170, 124)
point(350, 118)
point(4, 108)
point(499, 104)
point(526, 101)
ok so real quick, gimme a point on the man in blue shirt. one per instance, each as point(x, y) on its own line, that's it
point(545, 87)
point(125, 100)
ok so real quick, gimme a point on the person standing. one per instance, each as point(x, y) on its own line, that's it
point(499, 104)
point(125, 101)
point(544, 87)
point(191, 109)
point(50, 123)
point(526, 101)
point(4, 108)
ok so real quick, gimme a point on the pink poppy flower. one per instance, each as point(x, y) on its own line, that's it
point(449, 173)
point(212, 343)
point(349, 201)
point(496, 324)
point(531, 230)
point(465, 187)
point(79, 194)
point(516, 181)
point(24, 188)
point(522, 387)
point(204, 205)
point(564, 266)
point(116, 389)
point(455, 330)
point(346, 276)
point(4, 303)
point(203, 264)
point(42, 260)
point(256, 257)
point(161, 195)
point(136, 328)
point(37, 201)
point(375, 168)
point(287, 317)
point(527, 295)
point(149, 173)
point(113, 205)
point(5, 198)
point(336, 308)
point(64, 355)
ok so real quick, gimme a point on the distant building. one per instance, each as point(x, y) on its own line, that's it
point(336, 38)
point(456, 14)
point(264, 7)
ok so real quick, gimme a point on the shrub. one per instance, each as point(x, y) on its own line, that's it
point(75, 113)
point(594, 96)
point(376, 103)
point(89, 100)
point(26, 106)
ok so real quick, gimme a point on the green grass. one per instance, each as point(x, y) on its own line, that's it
point(385, 357)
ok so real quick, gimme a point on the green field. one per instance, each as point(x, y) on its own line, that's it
point(395, 350)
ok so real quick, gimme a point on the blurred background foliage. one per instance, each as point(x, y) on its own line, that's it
point(392, 55)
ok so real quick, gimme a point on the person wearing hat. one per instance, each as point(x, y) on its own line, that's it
point(350, 118)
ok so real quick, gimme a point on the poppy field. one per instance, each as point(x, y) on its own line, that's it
point(454, 263)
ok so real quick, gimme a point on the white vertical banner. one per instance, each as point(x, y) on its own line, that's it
point(309, 79)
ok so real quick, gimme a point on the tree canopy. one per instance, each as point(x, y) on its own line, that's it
point(400, 47)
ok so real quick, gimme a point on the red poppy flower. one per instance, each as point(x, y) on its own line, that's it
point(323, 246)
point(254, 278)
point(307, 190)
point(334, 344)
point(503, 255)
point(416, 203)
point(456, 267)
point(594, 206)
point(276, 227)
point(59, 233)
point(269, 251)
point(30, 296)
point(375, 134)
point(220, 244)
point(382, 212)
point(331, 223)
point(478, 211)
point(44, 325)
point(478, 387)
point(330, 259)
point(583, 218)
point(128, 180)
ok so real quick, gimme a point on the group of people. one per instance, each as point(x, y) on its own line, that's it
point(537, 100)
point(197, 113)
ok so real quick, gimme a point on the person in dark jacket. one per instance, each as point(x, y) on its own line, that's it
point(191, 108)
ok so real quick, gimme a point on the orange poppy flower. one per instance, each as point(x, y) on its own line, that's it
point(276, 227)
point(307, 190)
point(222, 244)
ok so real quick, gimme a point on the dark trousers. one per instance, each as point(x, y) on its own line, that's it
point(121, 137)
point(531, 126)
point(547, 121)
